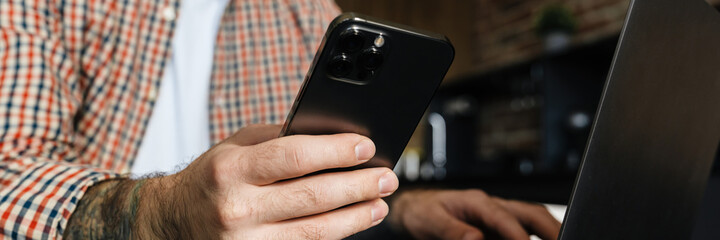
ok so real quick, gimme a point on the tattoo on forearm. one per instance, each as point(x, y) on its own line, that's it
point(107, 211)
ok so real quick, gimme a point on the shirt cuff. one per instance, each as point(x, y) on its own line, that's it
point(41, 198)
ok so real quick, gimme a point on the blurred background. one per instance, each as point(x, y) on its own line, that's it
point(514, 112)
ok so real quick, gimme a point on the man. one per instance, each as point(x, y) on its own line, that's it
point(80, 79)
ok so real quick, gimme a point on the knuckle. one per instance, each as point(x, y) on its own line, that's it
point(268, 150)
point(305, 196)
point(260, 164)
point(231, 213)
point(294, 157)
point(354, 192)
point(497, 215)
point(222, 169)
point(312, 231)
point(309, 195)
point(227, 217)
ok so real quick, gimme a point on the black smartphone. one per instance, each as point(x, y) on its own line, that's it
point(373, 78)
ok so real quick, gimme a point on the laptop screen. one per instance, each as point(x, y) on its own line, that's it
point(656, 132)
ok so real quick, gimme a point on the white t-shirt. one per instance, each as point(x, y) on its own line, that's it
point(178, 131)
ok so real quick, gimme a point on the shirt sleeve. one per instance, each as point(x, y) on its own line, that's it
point(41, 181)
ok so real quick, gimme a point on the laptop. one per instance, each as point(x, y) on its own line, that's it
point(657, 129)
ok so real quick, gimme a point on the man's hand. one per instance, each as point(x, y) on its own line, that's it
point(253, 186)
point(469, 214)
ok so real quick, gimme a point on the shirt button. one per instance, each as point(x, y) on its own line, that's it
point(168, 13)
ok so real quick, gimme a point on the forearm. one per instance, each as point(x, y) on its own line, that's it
point(111, 210)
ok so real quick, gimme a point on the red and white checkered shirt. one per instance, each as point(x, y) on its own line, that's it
point(79, 78)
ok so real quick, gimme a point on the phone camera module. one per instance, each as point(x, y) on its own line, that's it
point(371, 59)
point(352, 40)
point(340, 66)
point(365, 75)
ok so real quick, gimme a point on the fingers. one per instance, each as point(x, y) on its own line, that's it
point(447, 227)
point(534, 217)
point(337, 224)
point(295, 156)
point(324, 192)
point(492, 215)
point(254, 134)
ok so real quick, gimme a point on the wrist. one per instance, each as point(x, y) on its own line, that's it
point(153, 205)
point(174, 207)
point(116, 209)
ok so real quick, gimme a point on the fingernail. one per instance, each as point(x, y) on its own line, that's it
point(378, 212)
point(387, 184)
point(365, 150)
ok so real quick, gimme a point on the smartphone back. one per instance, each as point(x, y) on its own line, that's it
point(372, 78)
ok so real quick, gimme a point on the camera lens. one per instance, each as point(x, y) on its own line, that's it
point(371, 59)
point(340, 66)
point(351, 41)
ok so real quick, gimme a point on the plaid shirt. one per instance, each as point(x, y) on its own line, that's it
point(79, 78)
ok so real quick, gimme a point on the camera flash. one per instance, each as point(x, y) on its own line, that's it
point(379, 41)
